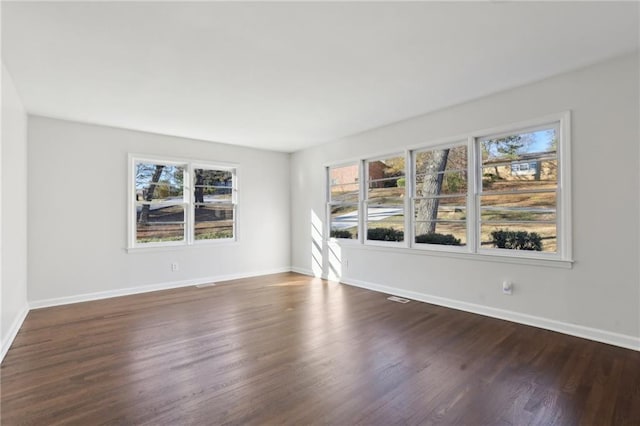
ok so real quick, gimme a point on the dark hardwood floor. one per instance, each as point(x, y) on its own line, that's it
point(292, 349)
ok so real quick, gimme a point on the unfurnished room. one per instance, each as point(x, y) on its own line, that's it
point(345, 213)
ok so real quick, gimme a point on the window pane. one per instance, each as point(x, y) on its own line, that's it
point(212, 186)
point(428, 209)
point(211, 177)
point(344, 221)
point(518, 207)
point(441, 233)
point(347, 193)
point(213, 221)
point(389, 229)
point(159, 182)
point(441, 160)
point(530, 236)
point(209, 194)
point(381, 199)
point(520, 176)
point(440, 216)
point(520, 161)
point(157, 224)
point(441, 184)
point(385, 223)
point(386, 168)
point(345, 175)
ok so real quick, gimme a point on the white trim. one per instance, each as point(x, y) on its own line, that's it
point(45, 303)
point(564, 187)
point(603, 336)
point(13, 331)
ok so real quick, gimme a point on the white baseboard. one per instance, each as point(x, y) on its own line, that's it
point(45, 303)
point(616, 339)
point(13, 331)
point(598, 335)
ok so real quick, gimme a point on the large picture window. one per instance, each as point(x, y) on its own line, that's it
point(502, 192)
point(180, 203)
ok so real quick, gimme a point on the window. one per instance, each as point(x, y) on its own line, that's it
point(214, 206)
point(503, 192)
point(180, 203)
point(518, 194)
point(440, 195)
point(344, 200)
point(384, 199)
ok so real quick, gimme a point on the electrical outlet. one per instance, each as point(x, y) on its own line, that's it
point(175, 266)
point(346, 264)
point(507, 287)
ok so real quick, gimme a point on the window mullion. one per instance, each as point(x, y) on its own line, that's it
point(363, 173)
point(474, 176)
point(189, 199)
point(409, 173)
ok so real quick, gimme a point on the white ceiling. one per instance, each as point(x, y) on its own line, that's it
point(285, 76)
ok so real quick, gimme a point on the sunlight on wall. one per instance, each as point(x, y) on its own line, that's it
point(316, 244)
point(335, 261)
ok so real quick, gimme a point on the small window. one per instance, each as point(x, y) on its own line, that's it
point(344, 201)
point(384, 199)
point(179, 203)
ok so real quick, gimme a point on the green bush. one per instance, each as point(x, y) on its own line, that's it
point(402, 182)
point(385, 234)
point(435, 238)
point(341, 233)
point(517, 240)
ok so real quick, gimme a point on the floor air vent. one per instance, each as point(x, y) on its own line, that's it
point(398, 299)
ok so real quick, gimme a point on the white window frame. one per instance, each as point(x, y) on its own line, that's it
point(563, 201)
point(188, 201)
point(454, 143)
point(233, 203)
point(365, 200)
point(331, 203)
point(473, 250)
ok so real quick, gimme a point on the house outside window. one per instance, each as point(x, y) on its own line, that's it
point(344, 201)
point(384, 199)
point(518, 194)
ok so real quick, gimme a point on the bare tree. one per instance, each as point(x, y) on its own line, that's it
point(427, 209)
point(148, 196)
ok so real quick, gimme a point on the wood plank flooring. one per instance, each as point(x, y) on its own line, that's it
point(290, 349)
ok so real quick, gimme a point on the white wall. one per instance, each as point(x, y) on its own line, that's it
point(78, 212)
point(598, 297)
point(14, 212)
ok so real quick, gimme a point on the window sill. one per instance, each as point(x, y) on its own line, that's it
point(499, 258)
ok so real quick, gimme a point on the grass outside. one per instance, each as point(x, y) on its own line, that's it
point(210, 224)
point(503, 207)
